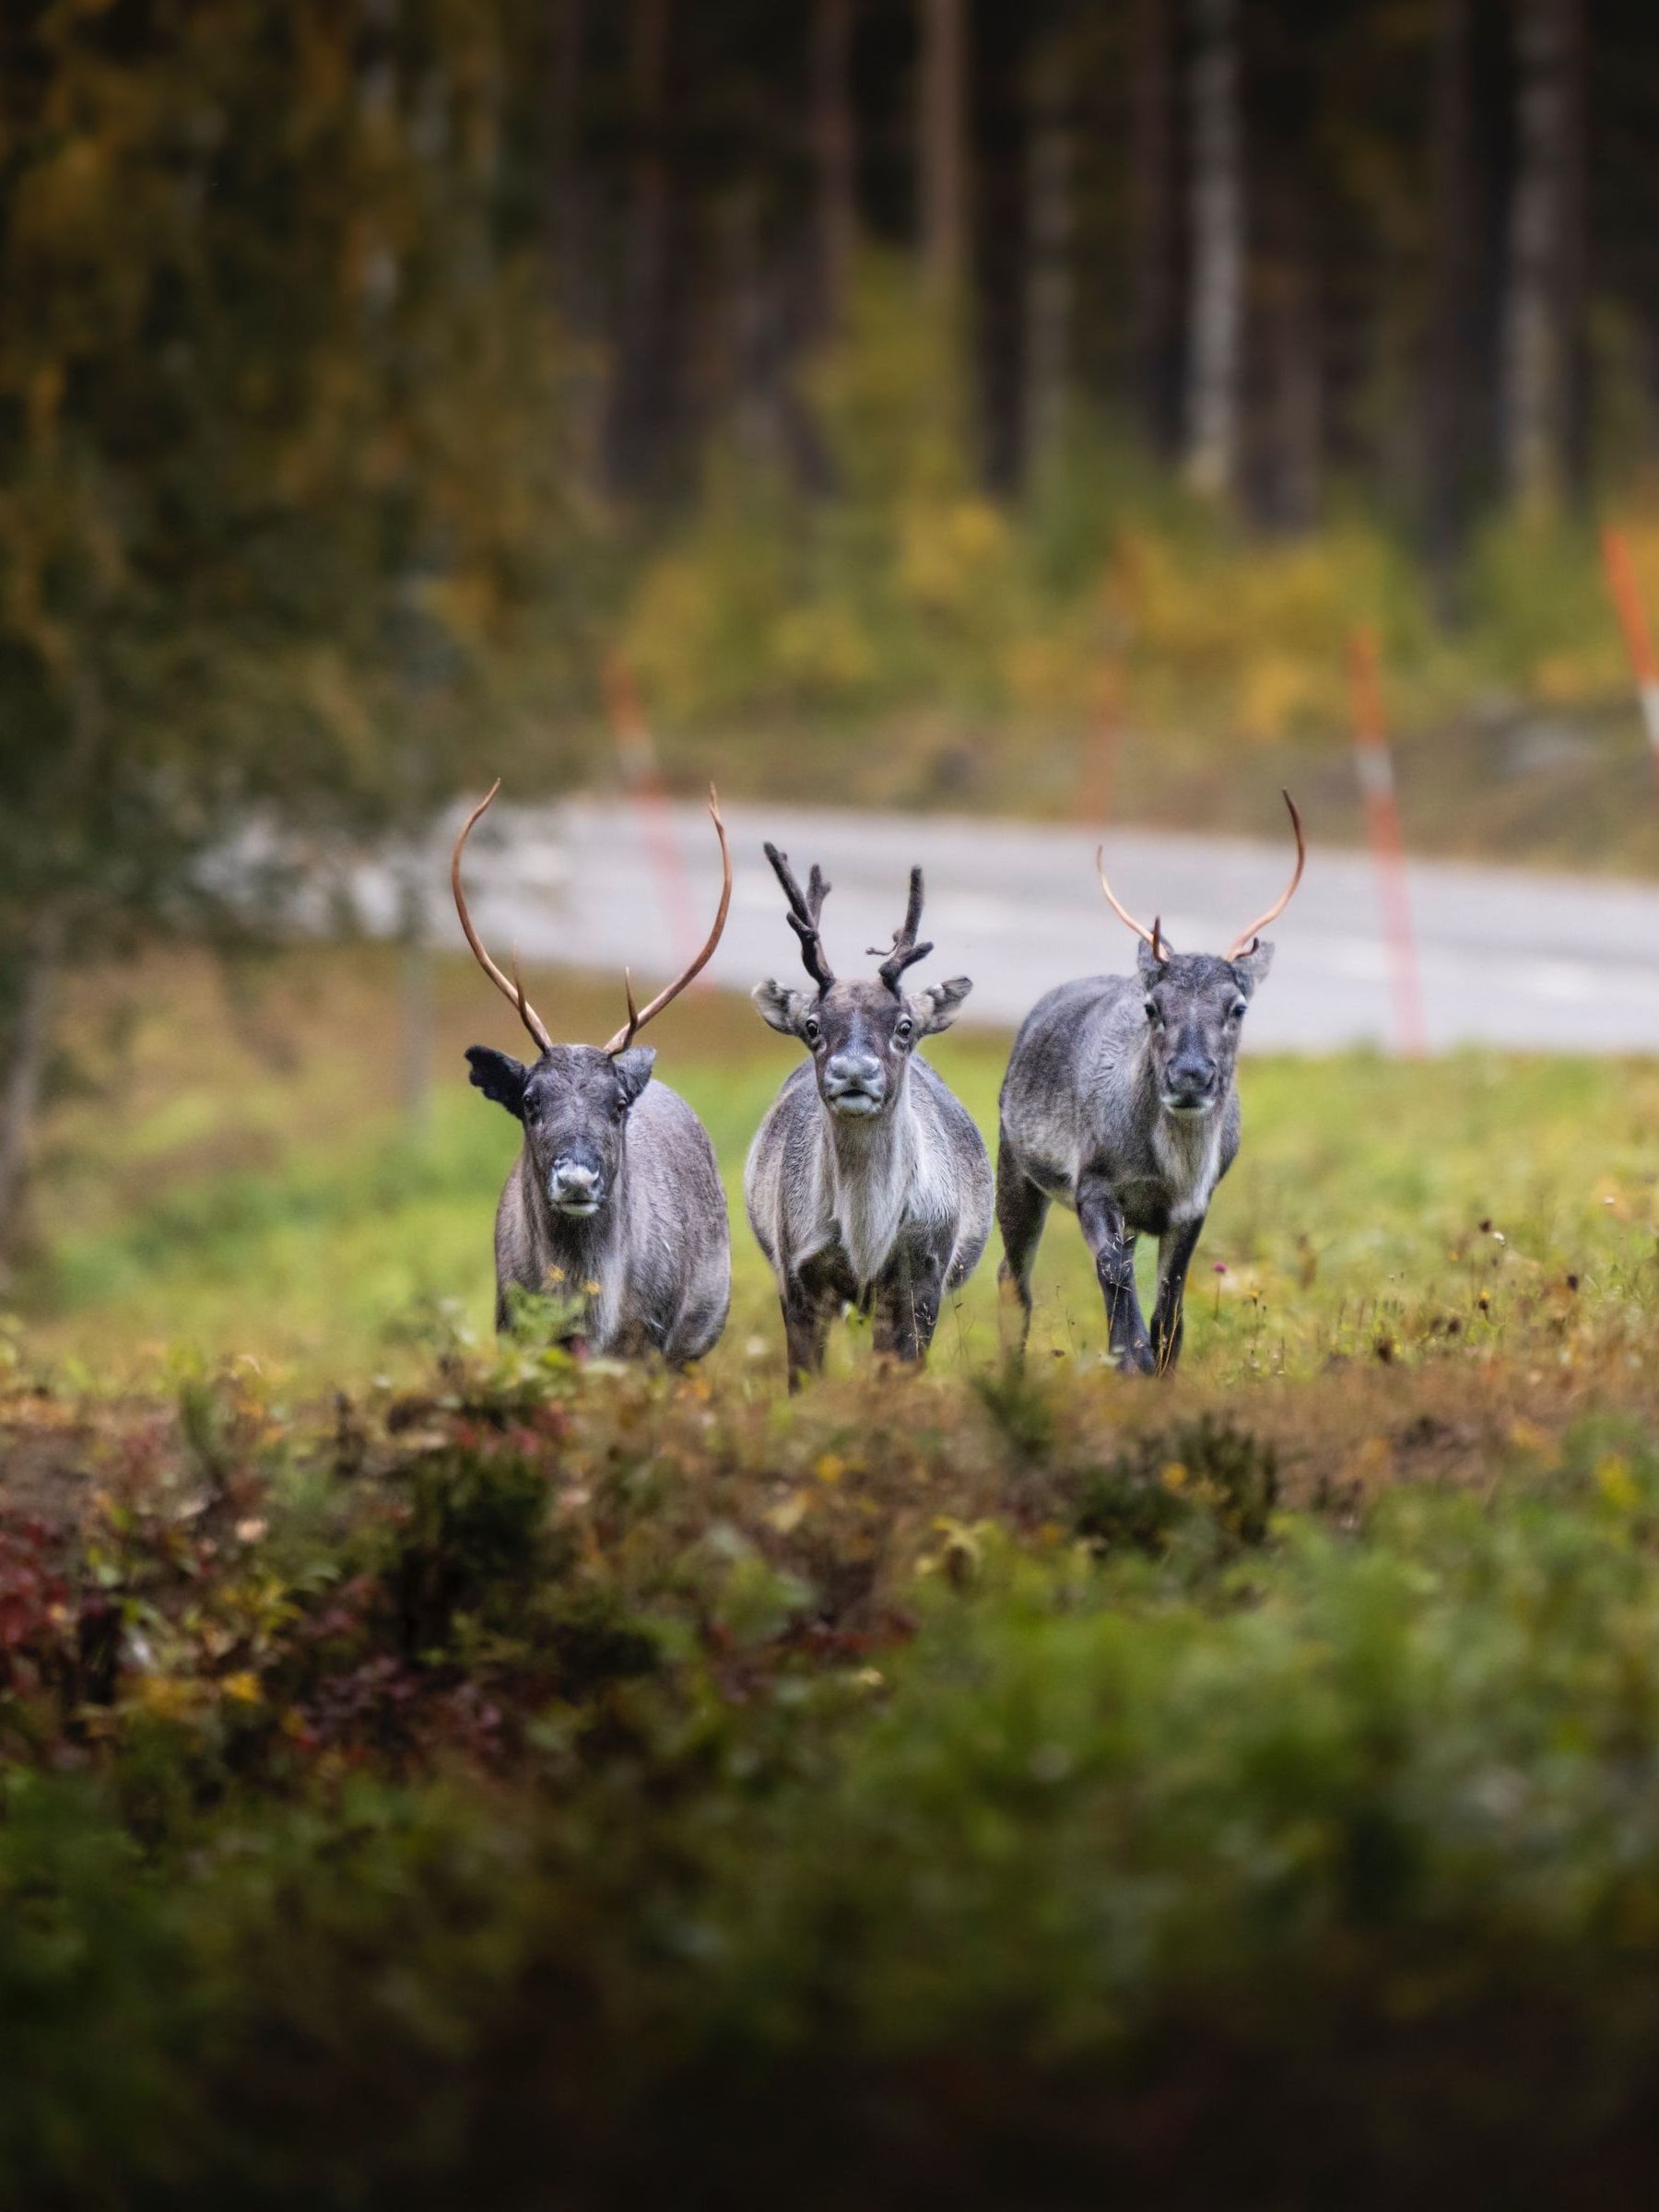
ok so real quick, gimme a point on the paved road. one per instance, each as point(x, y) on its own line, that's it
point(1507, 958)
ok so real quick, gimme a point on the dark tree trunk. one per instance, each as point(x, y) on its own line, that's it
point(1294, 427)
point(1446, 398)
point(1543, 336)
point(835, 154)
point(1153, 276)
point(637, 424)
point(941, 152)
point(1216, 318)
point(567, 214)
point(1048, 287)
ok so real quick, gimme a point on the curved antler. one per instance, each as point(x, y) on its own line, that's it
point(636, 1018)
point(905, 951)
point(1246, 940)
point(804, 914)
point(513, 990)
point(1153, 936)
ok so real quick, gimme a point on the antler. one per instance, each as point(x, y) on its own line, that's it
point(636, 1018)
point(514, 991)
point(906, 952)
point(1246, 940)
point(1153, 936)
point(804, 914)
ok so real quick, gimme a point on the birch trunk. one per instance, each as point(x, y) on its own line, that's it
point(1540, 335)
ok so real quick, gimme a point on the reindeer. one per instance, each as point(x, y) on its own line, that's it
point(1120, 1101)
point(615, 1206)
point(877, 1191)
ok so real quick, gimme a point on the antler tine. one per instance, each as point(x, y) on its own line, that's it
point(905, 951)
point(804, 910)
point(1246, 939)
point(636, 1018)
point(513, 992)
point(1152, 936)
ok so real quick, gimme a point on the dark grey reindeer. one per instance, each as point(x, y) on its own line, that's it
point(876, 1191)
point(614, 1207)
point(1120, 1101)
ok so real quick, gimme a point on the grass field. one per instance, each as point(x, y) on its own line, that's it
point(432, 1774)
point(248, 1187)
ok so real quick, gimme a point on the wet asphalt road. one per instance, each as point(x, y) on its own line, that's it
point(1506, 957)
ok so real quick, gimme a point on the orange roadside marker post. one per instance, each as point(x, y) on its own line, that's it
point(1638, 637)
point(1373, 759)
point(636, 756)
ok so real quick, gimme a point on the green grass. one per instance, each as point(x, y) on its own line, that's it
point(236, 1207)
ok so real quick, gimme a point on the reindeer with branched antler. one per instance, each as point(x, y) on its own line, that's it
point(875, 1193)
point(614, 1209)
point(1121, 1102)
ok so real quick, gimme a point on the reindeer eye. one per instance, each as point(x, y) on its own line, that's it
point(1236, 1011)
point(809, 1028)
point(904, 1029)
point(1152, 1012)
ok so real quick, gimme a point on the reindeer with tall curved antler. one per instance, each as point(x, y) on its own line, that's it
point(1121, 1102)
point(876, 1191)
point(615, 1208)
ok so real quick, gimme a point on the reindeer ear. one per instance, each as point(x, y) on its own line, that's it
point(500, 1076)
point(1152, 964)
point(633, 1069)
point(1250, 968)
point(781, 1007)
point(936, 1008)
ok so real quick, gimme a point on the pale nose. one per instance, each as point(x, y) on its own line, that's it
point(854, 1071)
point(572, 1181)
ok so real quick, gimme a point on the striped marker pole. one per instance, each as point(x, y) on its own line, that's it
point(1374, 762)
point(1632, 619)
point(636, 756)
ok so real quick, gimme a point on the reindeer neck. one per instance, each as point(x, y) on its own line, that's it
point(879, 1149)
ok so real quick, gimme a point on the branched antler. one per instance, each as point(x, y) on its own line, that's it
point(906, 952)
point(803, 914)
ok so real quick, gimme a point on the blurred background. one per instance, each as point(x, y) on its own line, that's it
point(1043, 420)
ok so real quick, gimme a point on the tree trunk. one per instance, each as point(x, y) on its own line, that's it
point(566, 204)
point(835, 154)
point(1296, 426)
point(28, 1051)
point(1152, 264)
point(1048, 302)
point(1216, 316)
point(1542, 325)
point(1446, 396)
point(941, 152)
point(640, 376)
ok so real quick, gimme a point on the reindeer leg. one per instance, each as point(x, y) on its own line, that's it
point(1112, 1243)
point(1175, 1250)
point(907, 1301)
point(811, 1299)
point(1021, 1210)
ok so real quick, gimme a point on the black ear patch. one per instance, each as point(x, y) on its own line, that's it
point(500, 1076)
